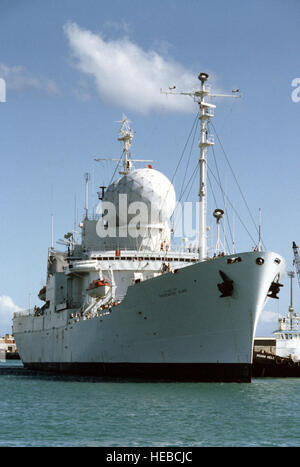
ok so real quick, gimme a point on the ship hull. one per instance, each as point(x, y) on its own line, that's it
point(180, 372)
point(172, 327)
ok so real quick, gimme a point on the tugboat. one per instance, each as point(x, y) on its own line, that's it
point(285, 361)
point(288, 333)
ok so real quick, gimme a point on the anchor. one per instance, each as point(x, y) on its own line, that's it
point(226, 287)
point(274, 289)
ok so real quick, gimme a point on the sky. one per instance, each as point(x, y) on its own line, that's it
point(72, 68)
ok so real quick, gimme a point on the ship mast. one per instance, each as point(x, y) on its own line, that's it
point(291, 275)
point(206, 140)
point(125, 136)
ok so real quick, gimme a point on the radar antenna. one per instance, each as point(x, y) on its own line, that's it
point(125, 136)
point(206, 140)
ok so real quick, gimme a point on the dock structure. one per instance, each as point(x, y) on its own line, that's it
point(265, 344)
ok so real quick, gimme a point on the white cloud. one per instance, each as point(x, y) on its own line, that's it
point(7, 309)
point(128, 76)
point(20, 79)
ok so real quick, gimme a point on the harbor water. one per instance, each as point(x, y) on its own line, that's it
point(68, 411)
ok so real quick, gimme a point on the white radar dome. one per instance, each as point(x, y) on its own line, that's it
point(145, 185)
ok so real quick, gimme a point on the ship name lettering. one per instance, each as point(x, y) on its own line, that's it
point(168, 292)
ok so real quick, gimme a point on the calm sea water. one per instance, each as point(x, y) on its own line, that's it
point(49, 411)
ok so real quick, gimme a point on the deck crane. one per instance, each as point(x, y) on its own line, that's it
point(296, 261)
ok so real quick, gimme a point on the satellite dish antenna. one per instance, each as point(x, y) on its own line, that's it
point(218, 214)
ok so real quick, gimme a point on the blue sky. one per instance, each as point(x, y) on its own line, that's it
point(73, 67)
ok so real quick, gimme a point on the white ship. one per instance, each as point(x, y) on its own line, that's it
point(160, 313)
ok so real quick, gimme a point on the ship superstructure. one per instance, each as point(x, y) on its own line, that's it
point(124, 303)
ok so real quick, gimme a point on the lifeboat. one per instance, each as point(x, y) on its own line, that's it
point(42, 294)
point(98, 288)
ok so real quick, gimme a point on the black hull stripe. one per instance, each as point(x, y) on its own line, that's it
point(205, 372)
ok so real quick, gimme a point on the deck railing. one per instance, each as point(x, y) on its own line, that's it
point(27, 312)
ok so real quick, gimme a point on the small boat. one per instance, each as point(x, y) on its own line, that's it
point(42, 294)
point(284, 359)
point(98, 288)
point(269, 365)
